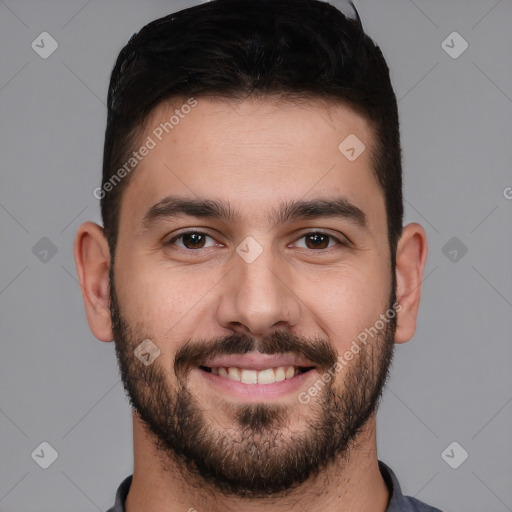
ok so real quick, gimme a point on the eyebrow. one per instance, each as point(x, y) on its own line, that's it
point(175, 206)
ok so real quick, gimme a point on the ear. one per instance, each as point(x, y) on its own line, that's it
point(411, 256)
point(92, 259)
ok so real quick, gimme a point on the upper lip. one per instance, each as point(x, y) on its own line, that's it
point(257, 361)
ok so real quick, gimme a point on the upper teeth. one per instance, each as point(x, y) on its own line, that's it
point(268, 376)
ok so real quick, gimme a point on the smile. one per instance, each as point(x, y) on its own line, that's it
point(251, 376)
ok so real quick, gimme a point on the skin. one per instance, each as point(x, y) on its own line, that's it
point(254, 153)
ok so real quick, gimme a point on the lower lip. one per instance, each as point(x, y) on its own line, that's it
point(257, 391)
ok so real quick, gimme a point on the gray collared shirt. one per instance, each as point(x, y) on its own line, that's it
point(397, 502)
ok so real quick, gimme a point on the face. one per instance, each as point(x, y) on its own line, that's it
point(253, 254)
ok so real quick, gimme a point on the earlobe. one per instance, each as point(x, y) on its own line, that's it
point(92, 259)
point(411, 256)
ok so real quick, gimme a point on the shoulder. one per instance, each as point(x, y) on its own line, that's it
point(122, 492)
point(414, 505)
point(398, 502)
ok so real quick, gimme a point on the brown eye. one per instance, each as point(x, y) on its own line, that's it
point(191, 240)
point(317, 240)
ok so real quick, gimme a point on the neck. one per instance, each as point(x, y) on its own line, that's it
point(161, 484)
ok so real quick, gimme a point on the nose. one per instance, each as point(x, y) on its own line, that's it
point(257, 298)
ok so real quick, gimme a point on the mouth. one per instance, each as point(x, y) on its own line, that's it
point(252, 376)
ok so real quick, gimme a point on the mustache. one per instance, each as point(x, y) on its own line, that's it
point(193, 353)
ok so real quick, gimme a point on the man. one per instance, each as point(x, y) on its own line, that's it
point(253, 269)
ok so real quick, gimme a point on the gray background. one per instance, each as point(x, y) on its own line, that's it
point(452, 382)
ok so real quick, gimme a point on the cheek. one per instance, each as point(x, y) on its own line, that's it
point(163, 298)
point(145, 295)
point(345, 301)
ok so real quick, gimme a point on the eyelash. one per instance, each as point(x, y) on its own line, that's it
point(181, 235)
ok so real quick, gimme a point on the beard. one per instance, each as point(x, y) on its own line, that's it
point(263, 455)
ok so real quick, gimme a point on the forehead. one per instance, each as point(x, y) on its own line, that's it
point(253, 153)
